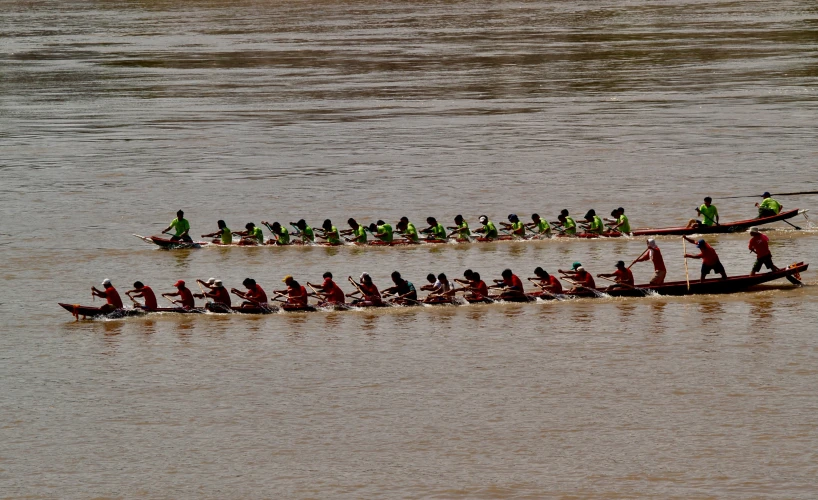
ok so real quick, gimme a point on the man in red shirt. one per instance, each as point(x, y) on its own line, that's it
point(622, 275)
point(255, 296)
point(186, 299)
point(332, 293)
point(511, 284)
point(215, 290)
point(145, 292)
point(760, 245)
point(547, 282)
point(110, 294)
point(296, 294)
point(710, 259)
point(370, 296)
point(582, 279)
point(654, 254)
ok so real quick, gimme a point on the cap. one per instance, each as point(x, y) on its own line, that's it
point(754, 230)
point(575, 266)
point(512, 216)
point(700, 243)
point(580, 269)
point(287, 278)
point(179, 283)
point(651, 243)
point(210, 281)
point(217, 283)
point(483, 219)
point(106, 282)
point(364, 275)
point(766, 194)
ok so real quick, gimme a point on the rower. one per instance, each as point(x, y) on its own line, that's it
point(143, 292)
point(223, 236)
point(709, 214)
point(654, 255)
point(358, 232)
point(595, 225)
point(620, 221)
point(461, 229)
point(332, 293)
point(540, 226)
point(572, 271)
point(478, 290)
point(252, 235)
point(623, 277)
point(185, 295)
point(181, 226)
point(768, 206)
point(546, 281)
point(382, 231)
point(370, 296)
point(404, 291)
point(281, 235)
point(582, 279)
point(255, 296)
point(566, 222)
point(304, 231)
point(488, 229)
point(514, 225)
point(468, 274)
point(441, 288)
point(296, 294)
point(407, 230)
point(215, 290)
point(431, 282)
point(435, 231)
point(511, 285)
point(330, 233)
point(709, 257)
point(760, 245)
point(110, 295)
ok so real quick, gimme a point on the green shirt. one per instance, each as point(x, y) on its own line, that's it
point(283, 236)
point(386, 231)
point(516, 226)
point(463, 230)
point(180, 225)
point(543, 227)
point(307, 234)
point(570, 226)
point(490, 229)
point(227, 236)
point(596, 226)
point(439, 232)
point(709, 214)
point(411, 232)
point(332, 236)
point(625, 225)
point(360, 234)
point(770, 204)
point(258, 234)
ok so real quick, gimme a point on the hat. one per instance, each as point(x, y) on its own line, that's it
point(179, 283)
point(766, 194)
point(651, 243)
point(210, 281)
point(483, 219)
point(287, 278)
point(580, 269)
point(701, 243)
point(575, 266)
point(364, 275)
point(106, 282)
point(512, 216)
point(754, 230)
point(217, 283)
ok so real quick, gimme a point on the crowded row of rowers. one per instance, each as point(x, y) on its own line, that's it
point(405, 229)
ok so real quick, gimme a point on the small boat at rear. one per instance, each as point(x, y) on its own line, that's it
point(727, 227)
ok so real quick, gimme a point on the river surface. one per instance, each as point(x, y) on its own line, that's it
point(113, 115)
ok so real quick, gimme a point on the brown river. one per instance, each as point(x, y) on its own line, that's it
point(113, 115)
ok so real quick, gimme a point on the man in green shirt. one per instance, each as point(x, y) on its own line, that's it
point(595, 225)
point(539, 226)
point(223, 236)
point(619, 221)
point(281, 235)
point(358, 232)
point(569, 227)
point(435, 231)
point(181, 226)
point(408, 230)
point(709, 213)
point(461, 229)
point(304, 231)
point(252, 235)
point(330, 233)
point(768, 206)
point(514, 225)
point(488, 229)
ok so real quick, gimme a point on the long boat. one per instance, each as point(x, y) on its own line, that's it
point(725, 227)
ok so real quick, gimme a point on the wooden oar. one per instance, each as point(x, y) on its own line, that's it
point(170, 300)
point(793, 225)
point(618, 282)
point(640, 256)
point(317, 293)
point(777, 194)
point(684, 252)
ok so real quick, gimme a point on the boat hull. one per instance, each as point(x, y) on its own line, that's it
point(727, 227)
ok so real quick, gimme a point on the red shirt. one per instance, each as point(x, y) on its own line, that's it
point(150, 298)
point(370, 292)
point(760, 244)
point(554, 283)
point(481, 289)
point(333, 292)
point(113, 298)
point(186, 298)
point(515, 282)
point(709, 256)
point(297, 295)
point(257, 294)
point(624, 276)
point(220, 296)
point(588, 281)
point(658, 260)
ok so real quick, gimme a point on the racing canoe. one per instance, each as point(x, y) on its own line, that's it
point(726, 227)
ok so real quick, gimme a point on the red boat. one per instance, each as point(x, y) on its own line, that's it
point(726, 227)
point(95, 312)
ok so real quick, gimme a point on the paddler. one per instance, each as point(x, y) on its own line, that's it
point(489, 230)
point(768, 206)
point(441, 288)
point(181, 227)
point(654, 255)
point(595, 224)
point(760, 245)
point(546, 281)
point(435, 231)
point(331, 293)
point(304, 231)
point(223, 236)
point(582, 279)
point(330, 233)
point(144, 292)
point(370, 296)
point(110, 294)
point(539, 226)
point(620, 221)
point(478, 290)
point(431, 281)
point(709, 257)
point(255, 296)
point(357, 231)
point(296, 294)
point(185, 295)
point(382, 231)
point(460, 229)
point(511, 286)
point(251, 235)
point(407, 230)
point(404, 291)
point(566, 223)
point(217, 292)
point(281, 235)
point(572, 271)
point(514, 225)
point(622, 275)
point(709, 214)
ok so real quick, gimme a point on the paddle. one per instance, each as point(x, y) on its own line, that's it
point(777, 194)
point(170, 300)
point(640, 256)
point(632, 287)
point(317, 293)
point(793, 225)
point(684, 252)
point(542, 288)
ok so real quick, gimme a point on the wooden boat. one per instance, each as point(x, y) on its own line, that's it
point(725, 227)
point(97, 312)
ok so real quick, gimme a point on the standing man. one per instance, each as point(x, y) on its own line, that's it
point(109, 294)
point(760, 245)
point(768, 206)
point(710, 259)
point(181, 226)
point(144, 292)
point(654, 255)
